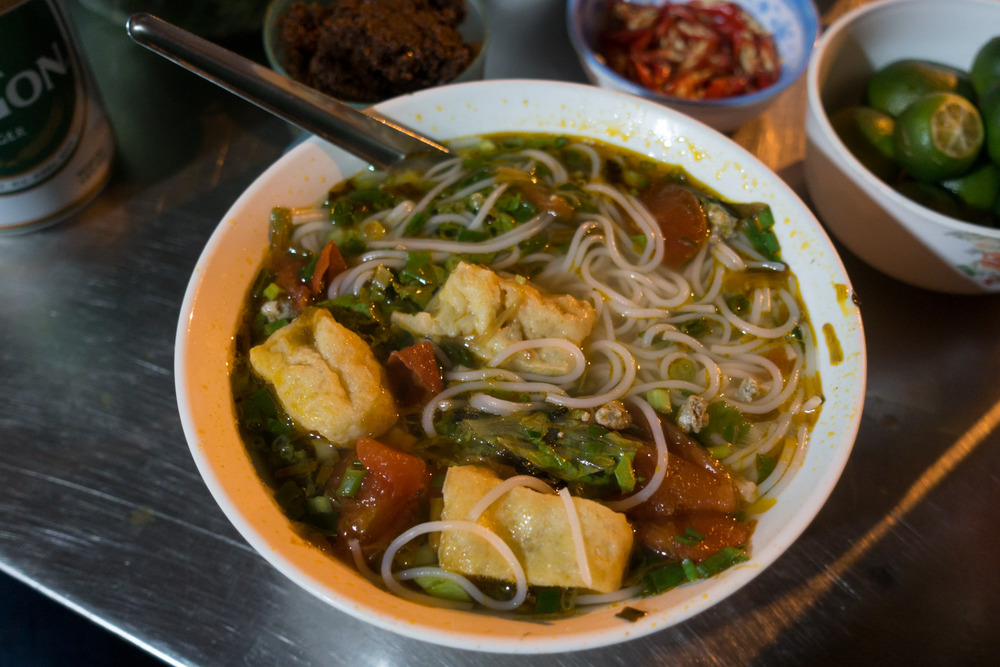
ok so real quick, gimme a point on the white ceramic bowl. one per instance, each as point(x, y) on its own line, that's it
point(793, 23)
point(885, 229)
point(230, 261)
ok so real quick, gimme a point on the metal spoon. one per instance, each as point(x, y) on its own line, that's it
point(368, 135)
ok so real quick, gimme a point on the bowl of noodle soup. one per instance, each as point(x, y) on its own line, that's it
point(732, 351)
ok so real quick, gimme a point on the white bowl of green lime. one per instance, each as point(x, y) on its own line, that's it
point(903, 140)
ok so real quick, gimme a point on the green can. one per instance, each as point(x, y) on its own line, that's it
point(56, 145)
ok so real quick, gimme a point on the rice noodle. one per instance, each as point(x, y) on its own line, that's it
point(359, 560)
point(579, 361)
point(608, 598)
point(517, 571)
point(662, 457)
point(577, 532)
point(502, 242)
point(503, 487)
point(499, 406)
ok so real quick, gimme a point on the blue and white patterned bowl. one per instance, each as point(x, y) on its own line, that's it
point(793, 23)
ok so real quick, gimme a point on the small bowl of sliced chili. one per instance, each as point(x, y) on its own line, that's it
point(719, 62)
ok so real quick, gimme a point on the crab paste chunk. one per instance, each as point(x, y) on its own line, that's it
point(326, 378)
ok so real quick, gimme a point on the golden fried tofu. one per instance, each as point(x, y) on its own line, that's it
point(536, 527)
point(489, 313)
point(327, 378)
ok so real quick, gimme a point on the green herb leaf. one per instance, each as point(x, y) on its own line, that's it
point(764, 464)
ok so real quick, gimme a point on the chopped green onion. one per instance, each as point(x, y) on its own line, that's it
point(764, 464)
point(682, 369)
point(758, 230)
point(471, 236)
point(689, 536)
point(416, 223)
point(663, 578)
point(511, 143)
point(351, 482)
point(306, 272)
point(264, 278)
point(277, 426)
point(367, 195)
point(634, 179)
point(352, 245)
point(548, 600)
point(659, 399)
point(319, 505)
point(439, 587)
point(721, 452)
point(272, 291)
point(624, 475)
point(690, 571)
point(698, 328)
point(274, 326)
point(739, 304)
point(723, 559)
point(726, 425)
point(324, 521)
point(373, 230)
point(264, 401)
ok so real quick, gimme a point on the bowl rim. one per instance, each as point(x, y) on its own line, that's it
point(811, 26)
point(854, 168)
point(199, 316)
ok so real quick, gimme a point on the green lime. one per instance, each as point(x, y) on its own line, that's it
point(867, 133)
point(986, 66)
point(989, 108)
point(978, 188)
point(938, 136)
point(899, 84)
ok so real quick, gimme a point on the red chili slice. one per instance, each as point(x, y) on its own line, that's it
point(698, 50)
point(329, 263)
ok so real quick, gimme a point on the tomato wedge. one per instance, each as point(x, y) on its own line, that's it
point(389, 496)
point(329, 263)
point(415, 374)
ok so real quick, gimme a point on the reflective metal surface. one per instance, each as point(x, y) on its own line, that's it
point(102, 508)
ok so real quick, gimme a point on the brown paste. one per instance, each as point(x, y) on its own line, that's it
point(369, 50)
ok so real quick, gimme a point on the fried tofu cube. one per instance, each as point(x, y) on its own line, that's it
point(327, 378)
point(537, 529)
point(489, 312)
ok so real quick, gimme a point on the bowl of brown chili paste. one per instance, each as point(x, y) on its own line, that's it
point(365, 51)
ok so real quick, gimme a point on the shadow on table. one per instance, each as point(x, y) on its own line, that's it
point(38, 632)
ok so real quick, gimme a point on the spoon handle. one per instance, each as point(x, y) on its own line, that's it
point(370, 136)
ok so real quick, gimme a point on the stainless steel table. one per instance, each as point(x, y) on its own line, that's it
point(101, 506)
